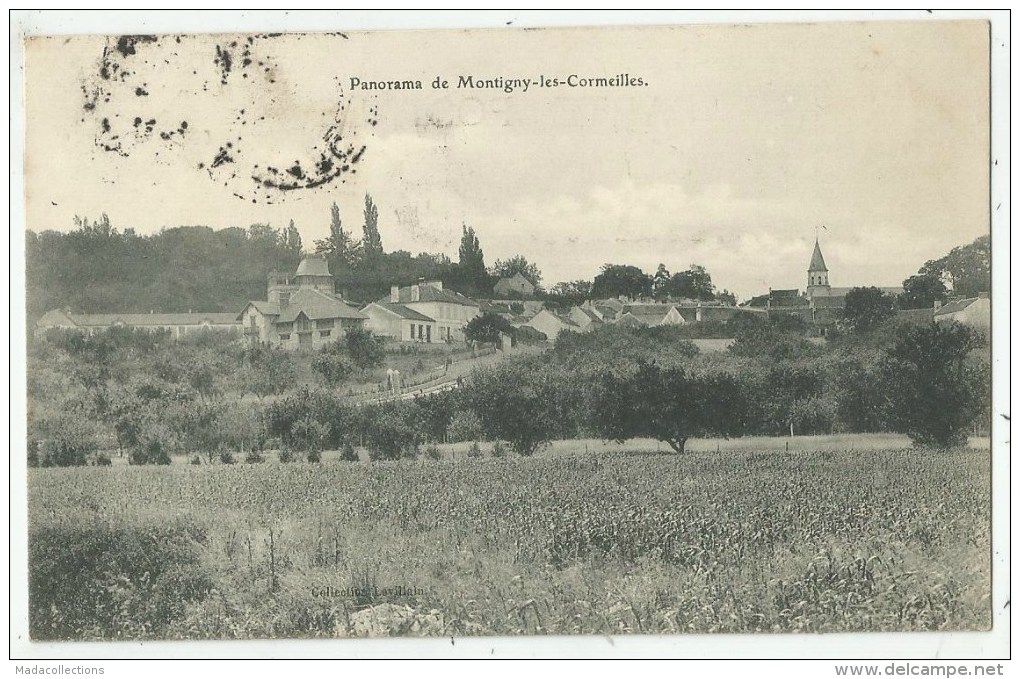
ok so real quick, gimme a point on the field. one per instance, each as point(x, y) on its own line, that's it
point(608, 541)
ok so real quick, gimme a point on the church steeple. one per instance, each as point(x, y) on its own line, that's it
point(818, 274)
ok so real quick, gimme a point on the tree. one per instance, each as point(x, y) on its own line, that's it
point(332, 365)
point(624, 280)
point(866, 308)
point(363, 348)
point(935, 390)
point(371, 242)
point(340, 248)
point(487, 328)
point(922, 291)
point(471, 264)
point(266, 371)
point(967, 268)
point(695, 283)
point(518, 264)
point(520, 402)
point(573, 292)
point(667, 404)
point(661, 283)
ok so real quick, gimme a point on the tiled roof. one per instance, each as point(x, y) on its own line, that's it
point(54, 317)
point(313, 266)
point(958, 305)
point(648, 313)
point(104, 320)
point(402, 311)
point(316, 305)
point(427, 293)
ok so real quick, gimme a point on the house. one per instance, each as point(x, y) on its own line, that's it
point(551, 323)
point(400, 322)
point(440, 315)
point(516, 285)
point(650, 315)
point(302, 311)
point(973, 311)
point(584, 318)
point(178, 325)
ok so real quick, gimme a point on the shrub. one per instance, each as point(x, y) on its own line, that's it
point(33, 454)
point(196, 460)
point(226, 457)
point(107, 582)
point(464, 426)
point(285, 454)
point(314, 456)
point(348, 454)
point(151, 450)
point(475, 450)
point(254, 457)
point(498, 449)
point(102, 460)
point(432, 452)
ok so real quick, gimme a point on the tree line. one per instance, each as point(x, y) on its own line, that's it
point(152, 398)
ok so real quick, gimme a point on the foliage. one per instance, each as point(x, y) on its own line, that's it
point(922, 291)
point(371, 242)
point(967, 268)
point(669, 405)
point(866, 308)
point(935, 390)
point(332, 365)
point(103, 270)
point(465, 425)
point(570, 292)
point(475, 451)
point(518, 264)
point(389, 433)
point(363, 348)
point(521, 402)
point(94, 580)
point(266, 370)
point(340, 249)
point(471, 275)
point(619, 280)
point(487, 328)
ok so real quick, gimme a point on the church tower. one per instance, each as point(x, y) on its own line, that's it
point(818, 275)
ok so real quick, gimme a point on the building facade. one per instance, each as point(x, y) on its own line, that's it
point(301, 311)
point(423, 312)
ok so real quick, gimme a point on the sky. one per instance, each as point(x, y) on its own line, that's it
point(740, 144)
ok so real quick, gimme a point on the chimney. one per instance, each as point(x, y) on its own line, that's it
point(394, 294)
point(415, 293)
point(697, 314)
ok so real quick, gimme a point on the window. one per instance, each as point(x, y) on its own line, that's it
point(324, 333)
point(284, 338)
point(303, 324)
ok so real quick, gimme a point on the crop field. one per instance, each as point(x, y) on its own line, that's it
point(636, 541)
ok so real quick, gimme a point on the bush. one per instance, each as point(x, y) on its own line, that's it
point(226, 457)
point(432, 452)
point(348, 454)
point(254, 457)
point(196, 460)
point(285, 454)
point(33, 454)
point(151, 450)
point(106, 582)
point(499, 449)
point(102, 460)
point(464, 426)
point(314, 456)
point(475, 450)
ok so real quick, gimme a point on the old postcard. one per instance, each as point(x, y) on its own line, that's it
point(621, 330)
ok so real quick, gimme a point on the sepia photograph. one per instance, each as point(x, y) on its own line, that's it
point(586, 331)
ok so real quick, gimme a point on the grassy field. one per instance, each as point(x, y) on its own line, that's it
point(624, 539)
